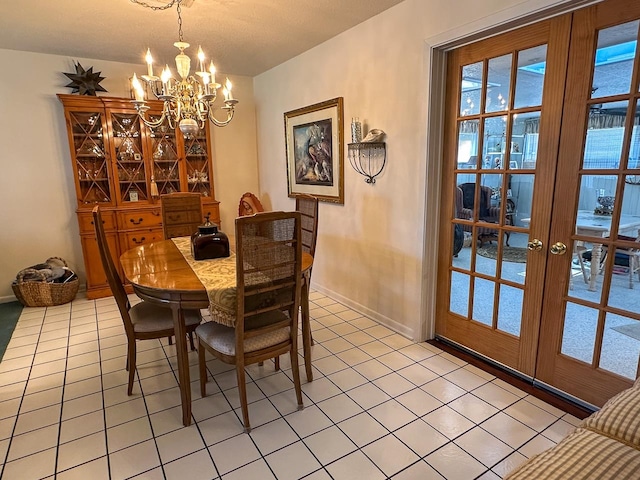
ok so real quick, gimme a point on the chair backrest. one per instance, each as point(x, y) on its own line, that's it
point(469, 194)
point(113, 277)
point(268, 265)
point(181, 214)
point(307, 205)
point(249, 204)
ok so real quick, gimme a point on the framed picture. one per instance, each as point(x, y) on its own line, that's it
point(314, 139)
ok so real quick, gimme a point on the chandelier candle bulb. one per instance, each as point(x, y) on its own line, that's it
point(229, 86)
point(149, 60)
point(201, 58)
point(212, 71)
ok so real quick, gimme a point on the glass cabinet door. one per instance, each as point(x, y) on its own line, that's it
point(91, 157)
point(129, 159)
point(197, 163)
point(165, 158)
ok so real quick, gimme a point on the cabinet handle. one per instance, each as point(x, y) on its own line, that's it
point(93, 223)
point(157, 214)
point(173, 218)
point(134, 222)
point(138, 242)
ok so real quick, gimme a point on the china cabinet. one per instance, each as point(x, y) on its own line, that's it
point(125, 166)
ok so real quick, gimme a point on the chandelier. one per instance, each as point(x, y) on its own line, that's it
point(189, 100)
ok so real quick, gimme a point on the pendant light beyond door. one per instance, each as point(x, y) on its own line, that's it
point(189, 100)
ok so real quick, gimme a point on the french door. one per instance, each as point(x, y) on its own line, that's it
point(542, 202)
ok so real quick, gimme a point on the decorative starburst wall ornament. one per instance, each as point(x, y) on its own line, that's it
point(85, 82)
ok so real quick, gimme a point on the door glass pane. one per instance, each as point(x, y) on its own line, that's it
point(525, 129)
point(472, 77)
point(130, 170)
point(605, 134)
point(483, 295)
point(621, 345)
point(630, 217)
point(634, 150)
point(498, 84)
point(514, 259)
point(510, 309)
point(197, 163)
point(579, 333)
point(468, 143)
point(613, 64)
point(461, 247)
point(459, 299)
point(495, 137)
point(595, 205)
point(530, 77)
point(520, 193)
point(166, 173)
point(91, 158)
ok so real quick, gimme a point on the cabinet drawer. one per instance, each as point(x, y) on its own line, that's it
point(139, 219)
point(140, 237)
point(85, 221)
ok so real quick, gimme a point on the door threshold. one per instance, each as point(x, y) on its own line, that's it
point(540, 390)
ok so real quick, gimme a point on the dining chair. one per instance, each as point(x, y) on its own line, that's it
point(628, 258)
point(249, 204)
point(268, 262)
point(143, 321)
point(307, 205)
point(181, 214)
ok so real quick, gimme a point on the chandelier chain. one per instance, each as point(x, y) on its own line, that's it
point(179, 21)
point(154, 7)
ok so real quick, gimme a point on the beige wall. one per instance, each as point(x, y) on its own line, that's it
point(370, 250)
point(37, 197)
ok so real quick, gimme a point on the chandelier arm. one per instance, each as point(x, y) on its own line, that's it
point(221, 123)
point(147, 121)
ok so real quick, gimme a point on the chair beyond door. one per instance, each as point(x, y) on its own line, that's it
point(268, 263)
point(143, 321)
point(181, 214)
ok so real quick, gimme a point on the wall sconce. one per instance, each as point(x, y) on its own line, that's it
point(368, 155)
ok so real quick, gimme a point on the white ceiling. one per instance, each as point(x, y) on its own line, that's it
point(243, 37)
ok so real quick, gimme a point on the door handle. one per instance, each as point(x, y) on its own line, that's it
point(558, 248)
point(534, 244)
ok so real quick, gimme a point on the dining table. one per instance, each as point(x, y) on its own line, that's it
point(164, 273)
point(593, 225)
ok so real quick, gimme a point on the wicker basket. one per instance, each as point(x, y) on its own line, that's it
point(42, 293)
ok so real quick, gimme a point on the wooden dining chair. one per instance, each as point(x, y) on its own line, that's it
point(268, 296)
point(143, 321)
point(181, 214)
point(307, 205)
point(249, 205)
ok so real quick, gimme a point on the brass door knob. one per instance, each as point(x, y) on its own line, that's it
point(558, 248)
point(534, 244)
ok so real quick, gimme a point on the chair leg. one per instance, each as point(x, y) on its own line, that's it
point(202, 366)
point(276, 361)
point(295, 369)
point(131, 363)
point(193, 347)
point(170, 339)
point(242, 392)
point(306, 330)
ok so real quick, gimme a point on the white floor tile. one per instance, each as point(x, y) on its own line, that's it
point(258, 469)
point(355, 465)
point(454, 463)
point(233, 453)
point(509, 430)
point(483, 446)
point(329, 445)
point(292, 462)
point(390, 455)
point(363, 429)
point(421, 437)
point(81, 451)
point(134, 460)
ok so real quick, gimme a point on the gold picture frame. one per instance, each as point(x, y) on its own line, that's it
point(314, 138)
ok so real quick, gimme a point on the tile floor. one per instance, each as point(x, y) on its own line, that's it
point(380, 407)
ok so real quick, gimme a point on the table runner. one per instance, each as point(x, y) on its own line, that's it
point(218, 276)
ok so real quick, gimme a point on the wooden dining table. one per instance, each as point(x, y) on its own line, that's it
point(159, 273)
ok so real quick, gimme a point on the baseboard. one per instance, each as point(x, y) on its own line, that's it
point(383, 320)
